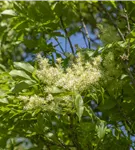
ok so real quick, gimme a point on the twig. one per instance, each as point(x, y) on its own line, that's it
point(59, 44)
point(84, 38)
point(86, 32)
point(64, 28)
point(128, 25)
point(129, 30)
point(65, 44)
point(84, 26)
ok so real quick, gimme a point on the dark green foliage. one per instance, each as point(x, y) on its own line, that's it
point(101, 116)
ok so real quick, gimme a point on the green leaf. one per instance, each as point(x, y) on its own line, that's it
point(108, 104)
point(20, 86)
point(4, 100)
point(113, 3)
point(133, 2)
point(19, 8)
point(9, 12)
point(57, 9)
point(55, 90)
point(101, 130)
point(24, 66)
point(30, 43)
point(89, 113)
point(95, 1)
point(21, 25)
point(45, 9)
point(19, 73)
point(123, 76)
point(2, 67)
point(95, 97)
point(79, 106)
point(40, 122)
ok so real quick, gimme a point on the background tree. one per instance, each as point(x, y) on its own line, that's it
point(65, 96)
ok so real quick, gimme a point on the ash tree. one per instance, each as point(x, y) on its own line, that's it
point(58, 92)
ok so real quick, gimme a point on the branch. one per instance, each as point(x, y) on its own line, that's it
point(84, 38)
point(59, 44)
point(86, 32)
point(84, 26)
point(64, 28)
point(129, 30)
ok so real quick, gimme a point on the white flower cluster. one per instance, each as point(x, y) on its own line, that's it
point(78, 77)
point(35, 101)
point(48, 74)
point(32, 102)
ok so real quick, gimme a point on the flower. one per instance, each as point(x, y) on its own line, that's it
point(32, 102)
point(49, 97)
point(78, 77)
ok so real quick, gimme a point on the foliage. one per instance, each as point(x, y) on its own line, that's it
point(76, 99)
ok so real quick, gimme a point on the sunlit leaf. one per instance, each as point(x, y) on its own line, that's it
point(123, 76)
point(24, 66)
point(79, 106)
point(3, 100)
point(101, 130)
point(113, 3)
point(19, 73)
point(9, 13)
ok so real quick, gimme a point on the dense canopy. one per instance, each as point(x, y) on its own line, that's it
point(67, 75)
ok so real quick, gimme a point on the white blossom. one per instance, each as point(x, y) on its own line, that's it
point(32, 101)
point(78, 77)
point(49, 97)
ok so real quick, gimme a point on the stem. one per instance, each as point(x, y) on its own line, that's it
point(84, 26)
point(84, 38)
point(86, 32)
point(128, 25)
point(129, 30)
point(64, 28)
point(59, 44)
point(65, 45)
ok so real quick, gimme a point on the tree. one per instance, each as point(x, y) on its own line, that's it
point(51, 98)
